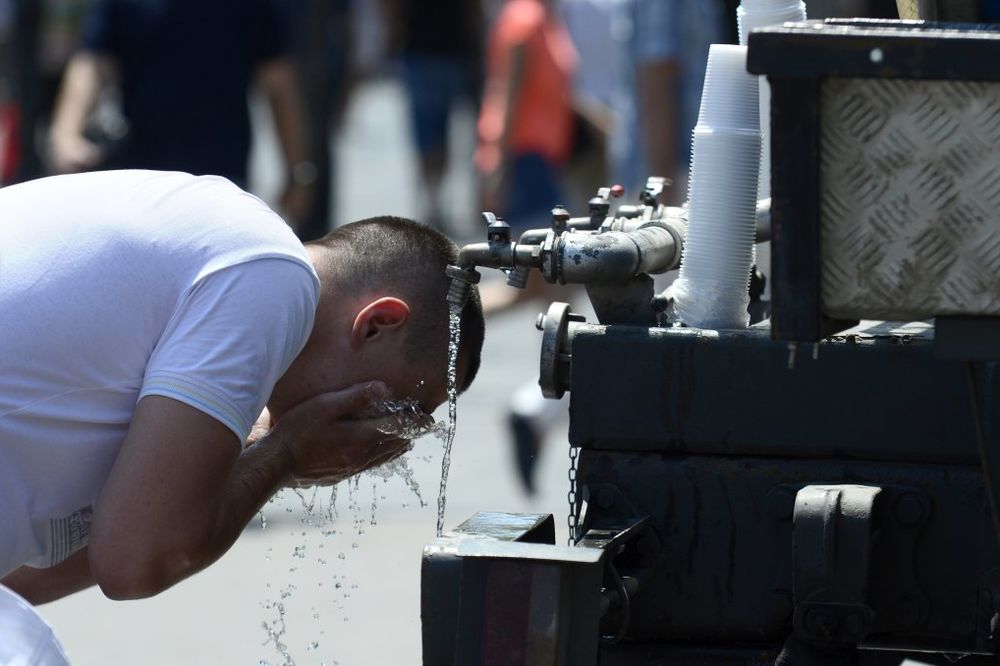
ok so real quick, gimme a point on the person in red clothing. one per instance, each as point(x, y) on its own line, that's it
point(525, 139)
point(526, 121)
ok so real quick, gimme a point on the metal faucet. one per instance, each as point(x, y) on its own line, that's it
point(597, 249)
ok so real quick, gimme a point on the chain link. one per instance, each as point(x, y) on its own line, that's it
point(572, 519)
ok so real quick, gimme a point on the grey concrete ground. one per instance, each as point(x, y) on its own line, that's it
point(363, 609)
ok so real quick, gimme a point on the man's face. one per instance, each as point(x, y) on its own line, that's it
point(424, 382)
point(322, 370)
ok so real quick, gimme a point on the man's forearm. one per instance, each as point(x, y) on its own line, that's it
point(262, 469)
point(169, 510)
point(40, 586)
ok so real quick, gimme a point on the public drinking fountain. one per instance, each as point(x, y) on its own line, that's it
point(821, 481)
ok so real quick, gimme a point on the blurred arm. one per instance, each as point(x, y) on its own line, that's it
point(496, 158)
point(40, 586)
point(87, 74)
point(279, 83)
point(658, 94)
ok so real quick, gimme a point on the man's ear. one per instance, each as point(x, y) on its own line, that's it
point(379, 317)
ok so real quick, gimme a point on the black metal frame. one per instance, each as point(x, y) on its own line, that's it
point(796, 58)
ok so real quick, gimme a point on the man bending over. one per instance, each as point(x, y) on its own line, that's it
point(148, 320)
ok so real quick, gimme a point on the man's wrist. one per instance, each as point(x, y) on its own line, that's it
point(280, 451)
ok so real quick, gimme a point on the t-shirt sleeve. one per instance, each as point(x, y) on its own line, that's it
point(231, 337)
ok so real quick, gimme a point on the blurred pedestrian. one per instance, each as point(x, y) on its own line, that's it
point(526, 122)
point(440, 56)
point(661, 58)
point(526, 132)
point(589, 25)
point(322, 44)
point(184, 68)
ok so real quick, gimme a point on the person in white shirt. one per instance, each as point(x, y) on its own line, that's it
point(148, 318)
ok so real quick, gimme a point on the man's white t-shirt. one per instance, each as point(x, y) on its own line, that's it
point(118, 285)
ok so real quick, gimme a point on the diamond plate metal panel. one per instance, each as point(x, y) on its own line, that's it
point(909, 198)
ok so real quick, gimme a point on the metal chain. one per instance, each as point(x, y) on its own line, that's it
point(572, 519)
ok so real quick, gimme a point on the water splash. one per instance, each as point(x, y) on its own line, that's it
point(398, 418)
point(454, 335)
point(275, 630)
point(400, 467)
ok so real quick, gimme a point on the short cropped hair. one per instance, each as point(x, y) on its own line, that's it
point(402, 257)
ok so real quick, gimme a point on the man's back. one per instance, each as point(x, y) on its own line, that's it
point(116, 285)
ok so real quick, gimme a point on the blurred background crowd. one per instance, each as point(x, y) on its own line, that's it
point(532, 103)
point(568, 93)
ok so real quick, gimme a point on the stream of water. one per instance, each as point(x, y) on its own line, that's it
point(398, 418)
point(454, 335)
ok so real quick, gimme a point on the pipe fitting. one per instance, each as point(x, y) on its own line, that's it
point(462, 280)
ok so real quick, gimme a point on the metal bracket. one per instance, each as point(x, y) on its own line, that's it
point(626, 303)
point(832, 548)
point(614, 526)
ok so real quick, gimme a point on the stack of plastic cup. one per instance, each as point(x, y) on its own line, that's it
point(759, 14)
point(712, 288)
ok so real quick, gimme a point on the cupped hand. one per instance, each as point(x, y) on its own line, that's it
point(328, 440)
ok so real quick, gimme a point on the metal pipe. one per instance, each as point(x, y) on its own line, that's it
point(574, 256)
point(613, 256)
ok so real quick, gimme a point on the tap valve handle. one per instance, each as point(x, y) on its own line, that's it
point(654, 188)
point(560, 219)
point(600, 204)
point(497, 231)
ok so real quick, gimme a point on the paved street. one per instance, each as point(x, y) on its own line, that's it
point(347, 605)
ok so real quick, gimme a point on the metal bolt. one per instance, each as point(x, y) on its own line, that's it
point(876, 55)
point(909, 510)
point(605, 498)
point(780, 503)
